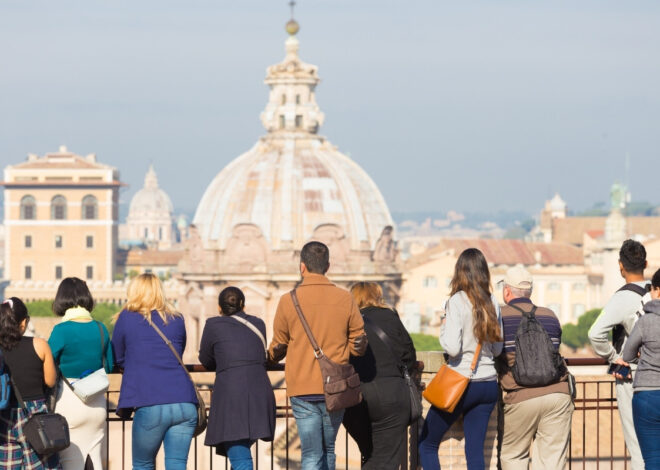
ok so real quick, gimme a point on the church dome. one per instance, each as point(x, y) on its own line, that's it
point(150, 201)
point(293, 184)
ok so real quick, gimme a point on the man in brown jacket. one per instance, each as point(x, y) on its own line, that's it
point(539, 415)
point(337, 325)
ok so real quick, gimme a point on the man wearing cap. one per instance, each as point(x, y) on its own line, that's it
point(531, 415)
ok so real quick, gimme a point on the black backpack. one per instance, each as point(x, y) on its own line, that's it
point(537, 361)
point(619, 332)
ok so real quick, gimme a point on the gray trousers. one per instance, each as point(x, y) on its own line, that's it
point(624, 396)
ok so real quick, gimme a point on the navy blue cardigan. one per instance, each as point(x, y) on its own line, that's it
point(152, 375)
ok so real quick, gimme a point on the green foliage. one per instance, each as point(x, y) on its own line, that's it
point(102, 312)
point(575, 336)
point(425, 342)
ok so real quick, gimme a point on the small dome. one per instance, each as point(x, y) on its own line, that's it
point(557, 203)
point(150, 201)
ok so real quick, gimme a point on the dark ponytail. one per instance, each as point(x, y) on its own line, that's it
point(231, 300)
point(12, 313)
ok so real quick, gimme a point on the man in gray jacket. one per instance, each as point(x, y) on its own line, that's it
point(619, 315)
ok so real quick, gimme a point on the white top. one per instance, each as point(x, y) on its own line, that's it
point(459, 343)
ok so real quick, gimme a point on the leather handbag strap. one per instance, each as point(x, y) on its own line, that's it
point(253, 328)
point(475, 359)
point(318, 352)
point(176, 354)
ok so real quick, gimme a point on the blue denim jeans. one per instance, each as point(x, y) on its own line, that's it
point(317, 429)
point(171, 425)
point(476, 405)
point(239, 454)
point(646, 416)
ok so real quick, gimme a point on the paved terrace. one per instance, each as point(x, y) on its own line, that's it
point(596, 438)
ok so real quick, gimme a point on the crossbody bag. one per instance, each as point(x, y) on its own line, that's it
point(94, 383)
point(413, 389)
point(341, 384)
point(201, 406)
point(254, 329)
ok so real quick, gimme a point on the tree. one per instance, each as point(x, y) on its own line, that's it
point(576, 336)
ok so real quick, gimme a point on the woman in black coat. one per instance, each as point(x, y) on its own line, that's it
point(243, 403)
point(379, 423)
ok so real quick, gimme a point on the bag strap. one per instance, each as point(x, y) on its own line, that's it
point(253, 328)
point(531, 313)
point(318, 352)
point(475, 359)
point(637, 289)
point(102, 343)
point(388, 343)
point(19, 397)
point(176, 354)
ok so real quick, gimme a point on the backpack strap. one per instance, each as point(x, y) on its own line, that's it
point(636, 288)
point(530, 314)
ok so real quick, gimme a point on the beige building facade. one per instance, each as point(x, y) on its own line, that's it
point(61, 214)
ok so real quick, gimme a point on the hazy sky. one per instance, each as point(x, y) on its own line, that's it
point(466, 105)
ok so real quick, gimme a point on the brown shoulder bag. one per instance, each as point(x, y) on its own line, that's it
point(448, 386)
point(341, 384)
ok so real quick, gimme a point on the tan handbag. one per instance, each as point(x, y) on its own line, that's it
point(448, 386)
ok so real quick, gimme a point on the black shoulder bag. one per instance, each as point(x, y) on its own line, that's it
point(415, 395)
point(47, 433)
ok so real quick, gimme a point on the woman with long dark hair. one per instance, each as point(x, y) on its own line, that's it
point(243, 404)
point(80, 347)
point(29, 362)
point(472, 318)
point(378, 424)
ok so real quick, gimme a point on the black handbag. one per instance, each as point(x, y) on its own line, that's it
point(413, 389)
point(47, 433)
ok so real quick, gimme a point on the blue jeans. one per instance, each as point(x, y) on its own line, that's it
point(476, 405)
point(172, 425)
point(239, 454)
point(317, 429)
point(646, 416)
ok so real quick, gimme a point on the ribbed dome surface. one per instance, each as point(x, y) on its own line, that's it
point(288, 188)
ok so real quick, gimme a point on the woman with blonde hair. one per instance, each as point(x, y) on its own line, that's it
point(378, 424)
point(471, 322)
point(154, 384)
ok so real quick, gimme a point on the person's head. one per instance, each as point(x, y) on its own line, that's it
point(655, 285)
point(368, 294)
point(517, 283)
point(146, 294)
point(72, 292)
point(471, 275)
point(632, 258)
point(231, 300)
point(314, 258)
point(13, 322)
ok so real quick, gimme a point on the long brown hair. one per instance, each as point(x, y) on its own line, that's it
point(471, 275)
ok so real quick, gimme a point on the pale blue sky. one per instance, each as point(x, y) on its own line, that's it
point(470, 105)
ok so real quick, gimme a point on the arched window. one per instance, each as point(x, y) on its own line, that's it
point(89, 207)
point(58, 208)
point(28, 208)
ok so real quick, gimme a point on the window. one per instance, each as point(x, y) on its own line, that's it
point(28, 272)
point(58, 241)
point(298, 121)
point(297, 99)
point(283, 99)
point(89, 272)
point(430, 282)
point(58, 208)
point(578, 310)
point(282, 122)
point(89, 241)
point(28, 208)
point(146, 233)
point(579, 286)
point(89, 208)
point(554, 286)
point(160, 233)
point(28, 241)
point(58, 272)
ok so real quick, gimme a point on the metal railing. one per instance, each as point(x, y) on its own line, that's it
point(596, 437)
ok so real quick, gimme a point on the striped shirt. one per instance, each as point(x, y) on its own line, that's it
point(511, 317)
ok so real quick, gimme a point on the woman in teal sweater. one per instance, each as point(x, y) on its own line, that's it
point(80, 346)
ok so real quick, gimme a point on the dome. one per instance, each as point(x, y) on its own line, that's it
point(150, 201)
point(293, 184)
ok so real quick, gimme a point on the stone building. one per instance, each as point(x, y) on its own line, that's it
point(60, 220)
point(150, 220)
point(291, 187)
